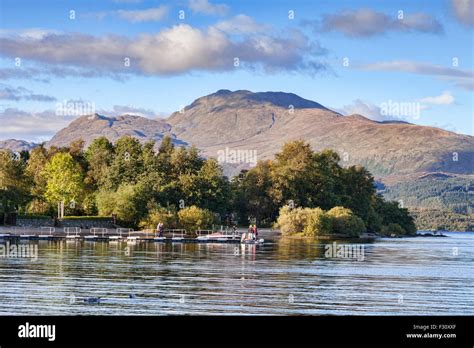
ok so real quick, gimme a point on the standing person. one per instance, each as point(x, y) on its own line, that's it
point(250, 233)
point(255, 231)
point(160, 229)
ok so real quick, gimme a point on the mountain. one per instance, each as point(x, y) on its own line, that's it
point(16, 145)
point(262, 122)
point(90, 127)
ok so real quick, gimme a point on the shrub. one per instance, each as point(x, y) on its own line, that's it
point(293, 220)
point(193, 218)
point(34, 216)
point(91, 218)
point(317, 223)
point(159, 214)
point(345, 222)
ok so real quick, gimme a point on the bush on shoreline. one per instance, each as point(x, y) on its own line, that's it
point(313, 222)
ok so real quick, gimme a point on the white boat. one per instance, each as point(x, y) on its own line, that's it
point(219, 236)
point(27, 236)
point(252, 241)
point(91, 237)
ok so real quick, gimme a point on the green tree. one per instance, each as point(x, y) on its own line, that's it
point(359, 190)
point(99, 155)
point(391, 213)
point(14, 185)
point(127, 164)
point(64, 180)
point(126, 203)
point(251, 194)
point(37, 180)
point(292, 174)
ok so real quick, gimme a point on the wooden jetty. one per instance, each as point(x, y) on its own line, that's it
point(123, 234)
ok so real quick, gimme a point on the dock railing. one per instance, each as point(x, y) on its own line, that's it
point(227, 232)
point(98, 230)
point(47, 231)
point(176, 233)
point(72, 231)
point(203, 233)
point(122, 230)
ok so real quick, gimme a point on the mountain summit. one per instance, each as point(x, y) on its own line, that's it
point(262, 122)
point(93, 126)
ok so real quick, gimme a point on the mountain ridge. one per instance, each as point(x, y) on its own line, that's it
point(263, 121)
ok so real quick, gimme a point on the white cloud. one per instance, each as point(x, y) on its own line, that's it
point(444, 99)
point(171, 51)
point(417, 68)
point(204, 6)
point(119, 110)
point(364, 108)
point(461, 78)
point(464, 11)
point(21, 93)
point(29, 33)
point(241, 24)
point(367, 22)
point(395, 110)
point(31, 126)
point(148, 15)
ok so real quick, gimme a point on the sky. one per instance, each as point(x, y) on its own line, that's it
point(387, 60)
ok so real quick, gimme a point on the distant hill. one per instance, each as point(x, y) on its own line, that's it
point(264, 121)
point(16, 145)
point(90, 127)
point(438, 191)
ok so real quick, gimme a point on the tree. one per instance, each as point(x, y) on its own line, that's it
point(291, 174)
point(37, 181)
point(359, 190)
point(251, 194)
point(64, 180)
point(99, 155)
point(127, 164)
point(14, 185)
point(391, 213)
point(125, 203)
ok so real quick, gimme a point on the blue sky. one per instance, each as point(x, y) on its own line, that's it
point(351, 56)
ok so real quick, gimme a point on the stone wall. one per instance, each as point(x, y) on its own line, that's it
point(82, 223)
point(35, 222)
point(86, 223)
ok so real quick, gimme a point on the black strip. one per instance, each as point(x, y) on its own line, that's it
point(242, 331)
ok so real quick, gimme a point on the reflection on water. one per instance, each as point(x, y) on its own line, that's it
point(413, 276)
